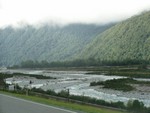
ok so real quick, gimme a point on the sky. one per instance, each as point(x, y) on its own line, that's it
point(19, 12)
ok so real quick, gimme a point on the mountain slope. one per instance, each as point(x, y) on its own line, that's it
point(128, 40)
point(50, 43)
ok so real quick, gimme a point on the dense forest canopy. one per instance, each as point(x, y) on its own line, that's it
point(127, 42)
point(50, 43)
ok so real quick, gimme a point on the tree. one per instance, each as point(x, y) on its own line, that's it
point(136, 106)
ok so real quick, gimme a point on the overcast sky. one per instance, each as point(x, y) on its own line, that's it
point(69, 11)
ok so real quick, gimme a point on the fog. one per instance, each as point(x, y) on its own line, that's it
point(20, 12)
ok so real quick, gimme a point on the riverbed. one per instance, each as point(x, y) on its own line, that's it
point(78, 83)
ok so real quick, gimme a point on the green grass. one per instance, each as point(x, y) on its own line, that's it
point(128, 72)
point(3, 76)
point(61, 104)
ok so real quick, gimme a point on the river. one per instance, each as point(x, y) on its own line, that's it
point(78, 84)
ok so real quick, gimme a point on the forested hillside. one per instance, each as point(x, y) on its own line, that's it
point(126, 41)
point(49, 43)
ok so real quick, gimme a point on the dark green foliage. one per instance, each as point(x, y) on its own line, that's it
point(75, 63)
point(51, 92)
point(137, 107)
point(45, 64)
point(65, 94)
point(17, 87)
point(132, 71)
point(33, 75)
point(133, 106)
point(128, 40)
point(116, 84)
point(136, 74)
point(2, 83)
point(96, 83)
point(49, 43)
point(142, 66)
point(4, 76)
point(125, 43)
point(123, 84)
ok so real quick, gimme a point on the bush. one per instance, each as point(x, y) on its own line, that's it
point(137, 107)
point(116, 84)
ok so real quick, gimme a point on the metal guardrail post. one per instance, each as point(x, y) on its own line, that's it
point(68, 94)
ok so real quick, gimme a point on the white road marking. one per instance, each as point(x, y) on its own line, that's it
point(38, 103)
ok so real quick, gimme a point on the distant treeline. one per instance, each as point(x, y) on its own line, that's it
point(79, 63)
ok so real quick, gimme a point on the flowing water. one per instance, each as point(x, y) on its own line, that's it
point(78, 83)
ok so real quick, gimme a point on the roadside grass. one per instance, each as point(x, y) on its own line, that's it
point(68, 105)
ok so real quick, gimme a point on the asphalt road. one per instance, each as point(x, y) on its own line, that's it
point(9, 104)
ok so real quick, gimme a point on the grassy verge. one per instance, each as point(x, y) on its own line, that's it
point(67, 105)
point(128, 72)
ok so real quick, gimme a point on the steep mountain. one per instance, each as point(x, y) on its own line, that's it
point(50, 43)
point(127, 40)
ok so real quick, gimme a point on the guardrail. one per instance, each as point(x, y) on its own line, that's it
point(31, 93)
point(73, 101)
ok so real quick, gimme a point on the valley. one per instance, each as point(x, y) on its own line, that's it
point(78, 56)
point(78, 83)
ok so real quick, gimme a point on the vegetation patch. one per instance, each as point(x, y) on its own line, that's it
point(123, 84)
point(2, 75)
point(125, 71)
point(68, 105)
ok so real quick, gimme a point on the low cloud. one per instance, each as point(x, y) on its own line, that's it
point(69, 11)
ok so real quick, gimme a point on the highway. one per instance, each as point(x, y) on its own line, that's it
point(9, 104)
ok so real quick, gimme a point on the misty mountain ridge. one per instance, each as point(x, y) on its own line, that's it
point(127, 40)
point(50, 43)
